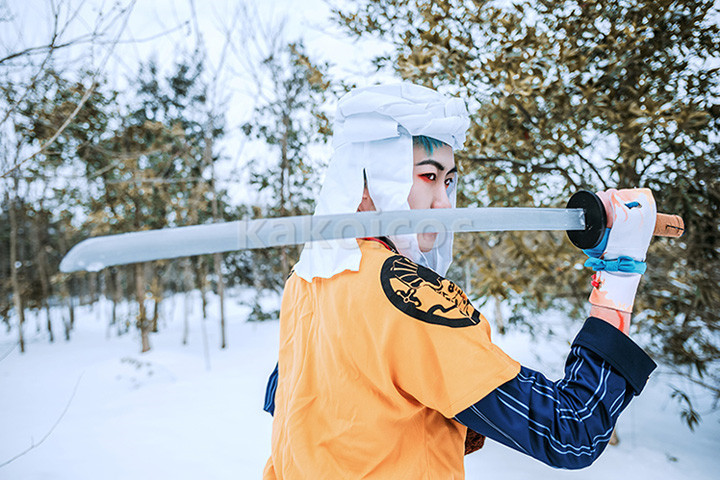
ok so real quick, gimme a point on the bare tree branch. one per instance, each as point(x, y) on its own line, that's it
point(533, 122)
point(529, 166)
point(84, 98)
point(87, 38)
point(40, 69)
point(147, 39)
point(45, 437)
point(157, 180)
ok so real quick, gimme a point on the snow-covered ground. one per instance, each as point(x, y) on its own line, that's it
point(113, 413)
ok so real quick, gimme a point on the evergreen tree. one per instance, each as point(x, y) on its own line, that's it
point(575, 95)
point(151, 171)
point(289, 121)
point(45, 188)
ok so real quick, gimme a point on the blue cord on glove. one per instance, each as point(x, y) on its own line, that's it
point(598, 251)
point(621, 264)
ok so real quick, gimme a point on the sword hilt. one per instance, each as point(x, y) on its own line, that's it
point(596, 221)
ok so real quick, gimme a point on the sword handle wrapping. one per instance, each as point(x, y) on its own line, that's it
point(596, 221)
point(668, 225)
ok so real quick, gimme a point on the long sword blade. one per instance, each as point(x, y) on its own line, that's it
point(97, 253)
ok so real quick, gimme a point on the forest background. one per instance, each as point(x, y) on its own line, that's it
point(225, 114)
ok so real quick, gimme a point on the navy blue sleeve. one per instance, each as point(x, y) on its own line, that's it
point(270, 392)
point(568, 423)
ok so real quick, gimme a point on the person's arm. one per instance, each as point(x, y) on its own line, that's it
point(568, 423)
point(616, 318)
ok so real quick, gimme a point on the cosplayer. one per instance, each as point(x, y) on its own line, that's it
point(385, 368)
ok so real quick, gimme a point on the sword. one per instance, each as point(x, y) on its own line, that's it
point(584, 220)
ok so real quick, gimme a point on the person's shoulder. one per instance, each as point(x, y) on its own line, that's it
point(423, 294)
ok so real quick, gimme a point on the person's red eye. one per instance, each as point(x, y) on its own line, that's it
point(428, 177)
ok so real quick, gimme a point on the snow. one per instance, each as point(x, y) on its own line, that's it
point(165, 414)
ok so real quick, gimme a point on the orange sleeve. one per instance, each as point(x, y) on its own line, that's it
point(438, 346)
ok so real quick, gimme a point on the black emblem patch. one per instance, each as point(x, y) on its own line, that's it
point(423, 294)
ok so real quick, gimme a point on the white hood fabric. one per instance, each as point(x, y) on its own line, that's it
point(373, 133)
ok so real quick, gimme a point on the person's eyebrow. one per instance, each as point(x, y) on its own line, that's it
point(436, 164)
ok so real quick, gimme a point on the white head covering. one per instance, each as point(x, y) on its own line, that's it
point(373, 133)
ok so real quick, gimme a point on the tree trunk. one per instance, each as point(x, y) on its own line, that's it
point(142, 321)
point(71, 306)
point(156, 315)
point(284, 175)
point(499, 322)
point(217, 258)
point(156, 292)
point(116, 299)
point(68, 300)
point(202, 283)
point(92, 290)
point(201, 278)
point(46, 291)
point(108, 287)
point(38, 327)
point(66, 291)
point(43, 271)
point(110, 294)
point(187, 298)
point(14, 278)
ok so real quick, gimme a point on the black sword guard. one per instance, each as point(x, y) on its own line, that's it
point(595, 220)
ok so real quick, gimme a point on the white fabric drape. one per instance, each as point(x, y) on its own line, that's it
point(373, 133)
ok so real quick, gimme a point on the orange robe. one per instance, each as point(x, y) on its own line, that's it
point(374, 365)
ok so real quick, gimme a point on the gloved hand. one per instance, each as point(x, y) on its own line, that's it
point(631, 218)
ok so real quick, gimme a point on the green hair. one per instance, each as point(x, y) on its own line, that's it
point(428, 143)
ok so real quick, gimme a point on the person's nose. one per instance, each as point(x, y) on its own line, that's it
point(441, 199)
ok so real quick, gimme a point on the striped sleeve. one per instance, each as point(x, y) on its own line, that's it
point(568, 423)
point(269, 405)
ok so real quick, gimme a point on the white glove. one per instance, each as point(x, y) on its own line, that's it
point(632, 220)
